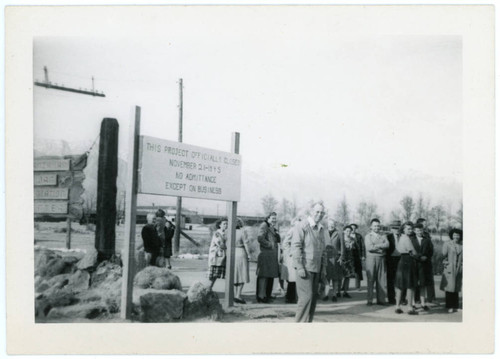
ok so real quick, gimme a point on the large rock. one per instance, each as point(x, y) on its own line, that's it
point(202, 303)
point(49, 264)
point(53, 298)
point(84, 310)
point(165, 306)
point(106, 273)
point(158, 278)
point(89, 260)
point(79, 281)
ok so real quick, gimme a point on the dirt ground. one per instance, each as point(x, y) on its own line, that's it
point(352, 309)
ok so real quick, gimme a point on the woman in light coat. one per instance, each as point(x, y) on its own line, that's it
point(291, 289)
point(241, 259)
point(217, 252)
point(451, 282)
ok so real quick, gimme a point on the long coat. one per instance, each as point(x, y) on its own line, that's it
point(335, 251)
point(267, 261)
point(425, 274)
point(452, 273)
point(290, 273)
point(217, 251)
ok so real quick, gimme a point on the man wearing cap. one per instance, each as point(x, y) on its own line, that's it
point(376, 245)
point(393, 257)
point(359, 255)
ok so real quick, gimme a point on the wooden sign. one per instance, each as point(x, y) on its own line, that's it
point(51, 193)
point(177, 169)
point(45, 179)
point(51, 207)
point(52, 165)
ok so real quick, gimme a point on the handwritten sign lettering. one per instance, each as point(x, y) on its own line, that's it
point(52, 165)
point(51, 207)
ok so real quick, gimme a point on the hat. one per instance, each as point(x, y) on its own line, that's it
point(396, 224)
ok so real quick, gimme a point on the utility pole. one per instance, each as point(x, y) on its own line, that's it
point(177, 233)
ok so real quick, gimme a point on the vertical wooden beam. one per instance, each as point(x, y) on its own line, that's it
point(68, 233)
point(231, 213)
point(128, 256)
point(107, 172)
point(178, 208)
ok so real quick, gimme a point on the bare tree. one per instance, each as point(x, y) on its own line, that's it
point(421, 207)
point(285, 211)
point(361, 210)
point(395, 215)
point(269, 204)
point(459, 217)
point(408, 207)
point(371, 212)
point(293, 208)
point(438, 215)
point(342, 214)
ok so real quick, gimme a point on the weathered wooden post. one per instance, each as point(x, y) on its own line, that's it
point(68, 233)
point(128, 256)
point(106, 189)
point(231, 212)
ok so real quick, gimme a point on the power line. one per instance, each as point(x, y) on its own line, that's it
point(49, 85)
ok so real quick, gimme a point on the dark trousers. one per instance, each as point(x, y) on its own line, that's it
point(291, 292)
point(264, 285)
point(307, 290)
point(154, 256)
point(451, 299)
point(392, 268)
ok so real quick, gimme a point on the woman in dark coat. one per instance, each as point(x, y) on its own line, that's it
point(267, 261)
point(423, 259)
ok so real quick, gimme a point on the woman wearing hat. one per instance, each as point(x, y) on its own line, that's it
point(241, 259)
point(451, 282)
point(267, 262)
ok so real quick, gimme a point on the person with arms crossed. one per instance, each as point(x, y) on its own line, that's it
point(376, 245)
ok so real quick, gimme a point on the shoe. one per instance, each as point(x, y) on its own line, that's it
point(451, 310)
point(426, 308)
point(334, 299)
point(338, 295)
point(413, 312)
point(399, 311)
point(325, 298)
point(270, 299)
point(404, 302)
point(346, 295)
point(237, 300)
point(262, 300)
point(413, 307)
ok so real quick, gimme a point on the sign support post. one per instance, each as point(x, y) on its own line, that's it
point(128, 256)
point(68, 233)
point(231, 212)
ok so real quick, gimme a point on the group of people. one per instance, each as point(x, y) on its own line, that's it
point(157, 237)
point(315, 261)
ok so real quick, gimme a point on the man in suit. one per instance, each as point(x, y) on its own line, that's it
point(309, 259)
point(423, 257)
point(359, 256)
point(376, 245)
point(393, 257)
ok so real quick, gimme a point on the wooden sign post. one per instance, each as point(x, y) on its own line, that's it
point(231, 211)
point(128, 256)
point(162, 167)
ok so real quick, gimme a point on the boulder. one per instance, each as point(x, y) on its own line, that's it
point(84, 310)
point(106, 272)
point(79, 281)
point(49, 264)
point(158, 278)
point(89, 260)
point(164, 306)
point(51, 299)
point(42, 257)
point(202, 303)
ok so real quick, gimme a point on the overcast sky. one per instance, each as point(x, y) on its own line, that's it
point(329, 106)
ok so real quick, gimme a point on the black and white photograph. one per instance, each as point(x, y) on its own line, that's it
point(238, 166)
